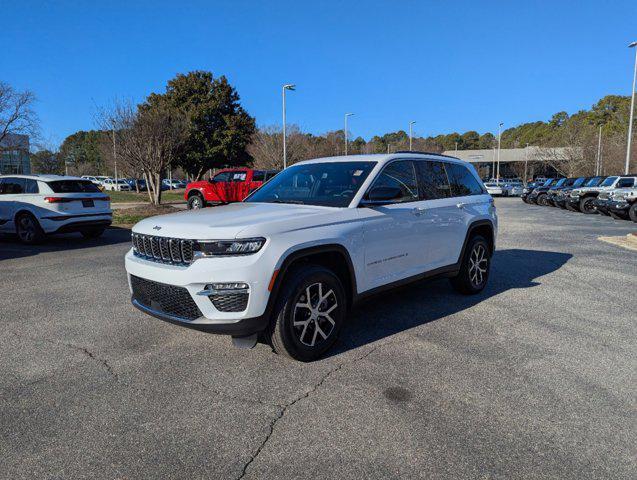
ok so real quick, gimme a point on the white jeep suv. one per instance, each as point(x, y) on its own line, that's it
point(289, 262)
point(36, 205)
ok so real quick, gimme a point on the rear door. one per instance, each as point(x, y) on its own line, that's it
point(468, 200)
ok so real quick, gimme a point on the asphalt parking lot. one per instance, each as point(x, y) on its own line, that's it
point(533, 378)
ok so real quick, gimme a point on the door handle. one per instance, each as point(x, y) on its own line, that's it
point(461, 205)
point(418, 210)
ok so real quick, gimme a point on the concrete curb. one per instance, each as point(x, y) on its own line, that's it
point(626, 241)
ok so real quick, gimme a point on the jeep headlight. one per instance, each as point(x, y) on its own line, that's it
point(211, 248)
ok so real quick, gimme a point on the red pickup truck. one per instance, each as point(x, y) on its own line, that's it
point(228, 185)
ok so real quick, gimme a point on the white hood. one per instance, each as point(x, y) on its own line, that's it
point(228, 221)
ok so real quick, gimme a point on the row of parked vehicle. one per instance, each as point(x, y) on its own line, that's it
point(614, 195)
point(129, 184)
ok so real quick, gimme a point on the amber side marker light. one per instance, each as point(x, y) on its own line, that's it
point(272, 280)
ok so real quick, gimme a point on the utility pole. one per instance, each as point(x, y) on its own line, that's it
point(288, 86)
point(493, 164)
point(346, 115)
point(499, 143)
point(632, 111)
point(411, 133)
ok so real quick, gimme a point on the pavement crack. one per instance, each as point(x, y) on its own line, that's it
point(84, 350)
point(285, 408)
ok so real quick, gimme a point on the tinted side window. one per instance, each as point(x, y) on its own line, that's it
point(221, 177)
point(626, 182)
point(31, 186)
point(462, 181)
point(73, 186)
point(400, 174)
point(433, 180)
point(12, 186)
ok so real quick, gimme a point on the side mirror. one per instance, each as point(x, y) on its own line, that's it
point(381, 195)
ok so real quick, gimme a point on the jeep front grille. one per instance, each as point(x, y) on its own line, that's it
point(162, 298)
point(162, 249)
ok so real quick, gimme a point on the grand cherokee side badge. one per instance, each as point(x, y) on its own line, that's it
point(156, 227)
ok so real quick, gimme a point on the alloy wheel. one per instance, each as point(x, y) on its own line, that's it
point(27, 229)
point(196, 203)
point(312, 316)
point(478, 263)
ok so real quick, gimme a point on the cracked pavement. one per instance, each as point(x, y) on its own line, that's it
point(532, 378)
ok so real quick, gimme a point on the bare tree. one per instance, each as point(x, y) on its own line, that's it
point(16, 112)
point(148, 140)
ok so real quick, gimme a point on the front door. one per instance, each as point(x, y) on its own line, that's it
point(391, 232)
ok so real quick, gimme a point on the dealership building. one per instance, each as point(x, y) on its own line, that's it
point(515, 162)
point(14, 154)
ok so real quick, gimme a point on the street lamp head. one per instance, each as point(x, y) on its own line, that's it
point(501, 123)
point(631, 45)
point(412, 122)
point(349, 114)
point(289, 86)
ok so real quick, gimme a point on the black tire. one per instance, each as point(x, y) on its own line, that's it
point(603, 211)
point(586, 205)
point(571, 208)
point(542, 199)
point(525, 200)
point(469, 281)
point(196, 201)
point(92, 232)
point(632, 212)
point(300, 341)
point(28, 229)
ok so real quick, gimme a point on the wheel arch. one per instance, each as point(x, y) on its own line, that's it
point(332, 256)
point(479, 227)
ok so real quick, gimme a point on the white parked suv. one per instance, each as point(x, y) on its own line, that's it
point(290, 260)
point(35, 205)
point(120, 185)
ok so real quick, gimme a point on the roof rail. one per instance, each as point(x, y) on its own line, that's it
point(425, 153)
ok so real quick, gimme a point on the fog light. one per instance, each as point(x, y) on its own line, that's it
point(228, 286)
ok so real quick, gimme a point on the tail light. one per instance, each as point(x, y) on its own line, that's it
point(55, 199)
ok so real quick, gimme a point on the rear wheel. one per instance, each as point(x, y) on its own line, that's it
point(476, 264)
point(586, 205)
point(632, 212)
point(92, 232)
point(195, 202)
point(309, 313)
point(28, 229)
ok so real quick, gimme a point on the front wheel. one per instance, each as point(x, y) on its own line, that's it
point(475, 267)
point(617, 216)
point(309, 313)
point(632, 212)
point(196, 202)
point(542, 200)
point(586, 205)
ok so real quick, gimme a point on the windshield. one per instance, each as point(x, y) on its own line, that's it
point(330, 184)
point(593, 182)
point(73, 186)
point(560, 182)
point(608, 182)
point(547, 183)
point(579, 182)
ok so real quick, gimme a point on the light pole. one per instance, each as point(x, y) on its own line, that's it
point(632, 109)
point(411, 132)
point(346, 115)
point(497, 179)
point(115, 159)
point(287, 86)
point(598, 170)
point(526, 163)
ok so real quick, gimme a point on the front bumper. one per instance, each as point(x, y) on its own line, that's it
point(202, 272)
point(601, 205)
point(618, 206)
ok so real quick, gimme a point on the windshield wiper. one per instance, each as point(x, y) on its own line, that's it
point(295, 202)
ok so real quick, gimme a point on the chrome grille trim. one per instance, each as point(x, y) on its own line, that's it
point(175, 251)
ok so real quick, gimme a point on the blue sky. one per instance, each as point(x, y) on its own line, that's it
point(451, 66)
